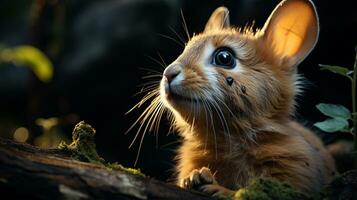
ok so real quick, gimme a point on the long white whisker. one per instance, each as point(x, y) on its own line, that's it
point(162, 110)
point(150, 70)
point(213, 127)
point(173, 39)
point(148, 96)
point(143, 118)
point(149, 119)
point(206, 118)
point(157, 61)
point(180, 38)
point(224, 123)
point(184, 24)
point(147, 89)
point(162, 60)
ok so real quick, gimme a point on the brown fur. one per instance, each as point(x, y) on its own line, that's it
point(250, 133)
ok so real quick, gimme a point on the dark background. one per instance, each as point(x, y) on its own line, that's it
point(99, 49)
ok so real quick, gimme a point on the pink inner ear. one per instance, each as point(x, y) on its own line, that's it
point(292, 29)
point(290, 40)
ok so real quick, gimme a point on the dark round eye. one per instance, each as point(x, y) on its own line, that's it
point(224, 57)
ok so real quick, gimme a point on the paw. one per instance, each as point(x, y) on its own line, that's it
point(198, 178)
point(203, 181)
point(216, 191)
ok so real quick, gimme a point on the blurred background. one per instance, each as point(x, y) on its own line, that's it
point(64, 61)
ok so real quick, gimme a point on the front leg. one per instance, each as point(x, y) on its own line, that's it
point(203, 180)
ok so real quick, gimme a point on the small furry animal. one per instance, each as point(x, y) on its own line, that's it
point(231, 93)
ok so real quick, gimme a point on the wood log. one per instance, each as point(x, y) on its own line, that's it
point(27, 172)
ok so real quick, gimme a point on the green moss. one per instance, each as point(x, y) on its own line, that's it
point(116, 166)
point(269, 189)
point(83, 148)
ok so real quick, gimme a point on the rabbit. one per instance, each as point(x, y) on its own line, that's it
point(231, 94)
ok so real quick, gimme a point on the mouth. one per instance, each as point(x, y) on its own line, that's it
point(176, 97)
point(171, 96)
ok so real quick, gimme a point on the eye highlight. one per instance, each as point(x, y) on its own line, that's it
point(224, 57)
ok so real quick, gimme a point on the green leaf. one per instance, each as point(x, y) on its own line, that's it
point(336, 69)
point(31, 57)
point(334, 110)
point(332, 125)
point(36, 60)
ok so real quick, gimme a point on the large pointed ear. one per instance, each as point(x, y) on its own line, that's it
point(218, 20)
point(291, 31)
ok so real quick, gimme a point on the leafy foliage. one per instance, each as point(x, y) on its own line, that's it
point(340, 115)
point(337, 69)
point(333, 125)
point(338, 121)
point(31, 57)
point(334, 110)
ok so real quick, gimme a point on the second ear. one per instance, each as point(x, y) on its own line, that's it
point(218, 20)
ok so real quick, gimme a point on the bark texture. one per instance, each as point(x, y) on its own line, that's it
point(27, 172)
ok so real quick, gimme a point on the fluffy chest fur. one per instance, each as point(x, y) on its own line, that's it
point(297, 157)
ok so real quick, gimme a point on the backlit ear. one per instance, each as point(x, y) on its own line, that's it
point(218, 20)
point(291, 31)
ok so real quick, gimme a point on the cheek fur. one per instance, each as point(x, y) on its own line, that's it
point(194, 78)
point(250, 96)
point(238, 101)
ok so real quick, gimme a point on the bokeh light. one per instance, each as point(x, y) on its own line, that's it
point(21, 134)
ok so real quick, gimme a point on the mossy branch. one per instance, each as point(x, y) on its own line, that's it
point(27, 172)
point(83, 148)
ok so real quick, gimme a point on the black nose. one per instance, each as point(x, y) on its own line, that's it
point(172, 71)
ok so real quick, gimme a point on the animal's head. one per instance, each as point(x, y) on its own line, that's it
point(230, 72)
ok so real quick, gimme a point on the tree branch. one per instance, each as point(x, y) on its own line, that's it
point(32, 173)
